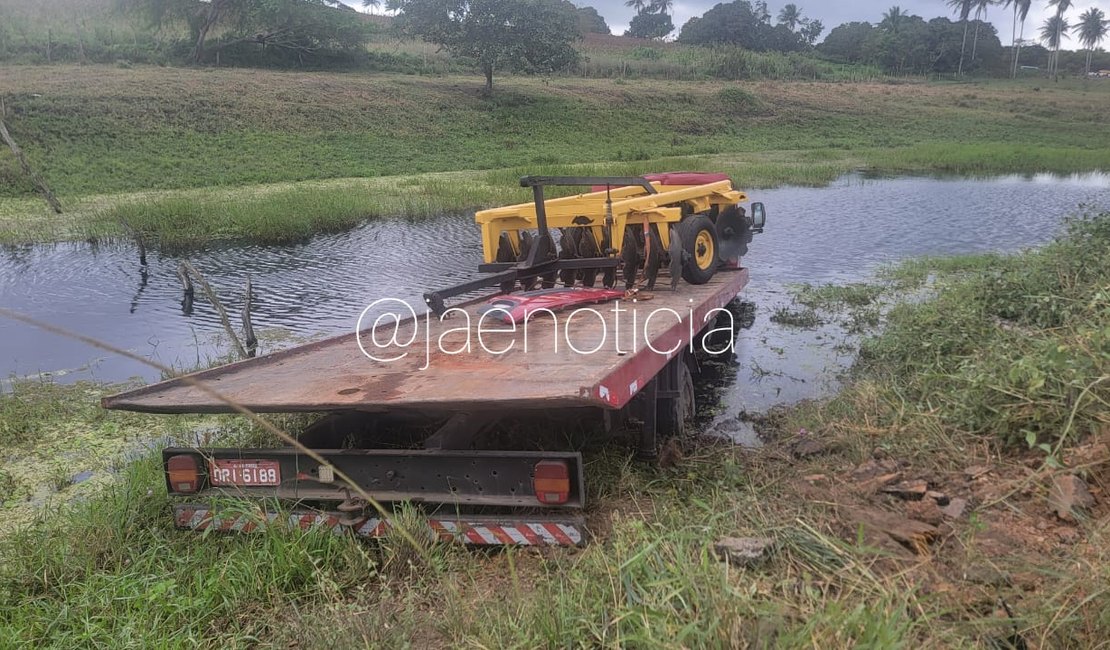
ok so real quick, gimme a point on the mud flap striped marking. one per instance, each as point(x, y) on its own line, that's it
point(501, 531)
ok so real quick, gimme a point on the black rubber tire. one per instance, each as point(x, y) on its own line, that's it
point(693, 230)
point(676, 414)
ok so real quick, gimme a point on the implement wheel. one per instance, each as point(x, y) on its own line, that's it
point(699, 239)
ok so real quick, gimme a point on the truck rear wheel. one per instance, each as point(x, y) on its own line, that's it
point(699, 239)
point(676, 413)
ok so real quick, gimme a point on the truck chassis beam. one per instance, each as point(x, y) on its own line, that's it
point(455, 477)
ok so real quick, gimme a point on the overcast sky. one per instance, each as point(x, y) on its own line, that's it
point(835, 12)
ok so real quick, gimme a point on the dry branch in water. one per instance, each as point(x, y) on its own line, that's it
point(188, 269)
point(43, 188)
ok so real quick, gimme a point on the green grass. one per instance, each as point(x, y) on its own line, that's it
point(1011, 346)
point(118, 143)
point(112, 572)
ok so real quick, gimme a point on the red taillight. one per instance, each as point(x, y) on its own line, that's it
point(552, 482)
point(183, 473)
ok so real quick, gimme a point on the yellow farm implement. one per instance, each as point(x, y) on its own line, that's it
point(690, 223)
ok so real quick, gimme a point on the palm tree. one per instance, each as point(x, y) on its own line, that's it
point(1021, 11)
point(790, 16)
point(980, 15)
point(962, 7)
point(1093, 27)
point(1062, 7)
point(1054, 29)
point(661, 6)
point(638, 5)
point(893, 19)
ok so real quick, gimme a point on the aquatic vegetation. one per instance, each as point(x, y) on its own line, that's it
point(806, 317)
point(1011, 346)
point(835, 297)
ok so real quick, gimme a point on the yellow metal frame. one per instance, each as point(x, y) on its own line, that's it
point(631, 205)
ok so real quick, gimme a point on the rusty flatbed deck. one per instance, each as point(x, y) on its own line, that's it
point(536, 370)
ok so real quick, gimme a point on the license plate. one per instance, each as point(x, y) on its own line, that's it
point(223, 472)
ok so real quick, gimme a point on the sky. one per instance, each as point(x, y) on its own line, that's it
point(834, 12)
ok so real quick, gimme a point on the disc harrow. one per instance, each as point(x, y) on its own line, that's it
point(690, 223)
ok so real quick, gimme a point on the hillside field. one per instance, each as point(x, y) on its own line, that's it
point(148, 144)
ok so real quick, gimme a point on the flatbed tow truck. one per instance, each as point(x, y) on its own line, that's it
point(449, 373)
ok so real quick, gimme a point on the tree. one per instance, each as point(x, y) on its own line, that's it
point(963, 8)
point(648, 24)
point(1054, 29)
point(526, 35)
point(980, 15)
point(902, 46)
point(893, 19)
point(638, 5)
point(741, 23)
point(791, 16)
point(846, 43)
point(591, 22)
point(1062, 27)
point(300, 26)
point(811, 31)
point(1021, 11)
point(1092, 27)
point(762, 12)
point(661, 6)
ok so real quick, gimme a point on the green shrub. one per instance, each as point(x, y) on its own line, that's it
point(1018, 347)
point(737, 101)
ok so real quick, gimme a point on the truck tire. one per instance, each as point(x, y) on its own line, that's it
point(675, 414)
point(699, 239)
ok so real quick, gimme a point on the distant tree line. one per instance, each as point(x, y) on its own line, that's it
point(539, 36)
point(904, 44)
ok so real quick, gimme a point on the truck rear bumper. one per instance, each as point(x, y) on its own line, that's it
point(480, 530)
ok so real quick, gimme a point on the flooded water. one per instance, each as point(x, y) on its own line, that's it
point(838, 233)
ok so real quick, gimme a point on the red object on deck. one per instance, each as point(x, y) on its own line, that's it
point(518, 307)
point(678, 178)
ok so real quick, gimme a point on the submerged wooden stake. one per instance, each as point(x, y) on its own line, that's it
point(248, 329)
point(208, 291)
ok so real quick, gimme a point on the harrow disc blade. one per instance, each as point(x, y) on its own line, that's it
point(505, 254)
point(630, 256)
point(676, 252)
point(568, 250)
point(526, 243)
point(733, 234)
point(547, 253)
point(654, 260)
point(587, 247)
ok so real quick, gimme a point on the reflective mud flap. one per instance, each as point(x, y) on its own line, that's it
point(482, 530)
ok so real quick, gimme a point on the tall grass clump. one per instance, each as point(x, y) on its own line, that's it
point(275, 216)
point(113, 572)
point(1013, 347)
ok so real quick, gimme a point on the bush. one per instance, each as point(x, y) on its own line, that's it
point(737, 101)
point(1015, 347)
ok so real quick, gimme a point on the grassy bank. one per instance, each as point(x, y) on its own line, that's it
point(989, 385)
point(129, 144)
